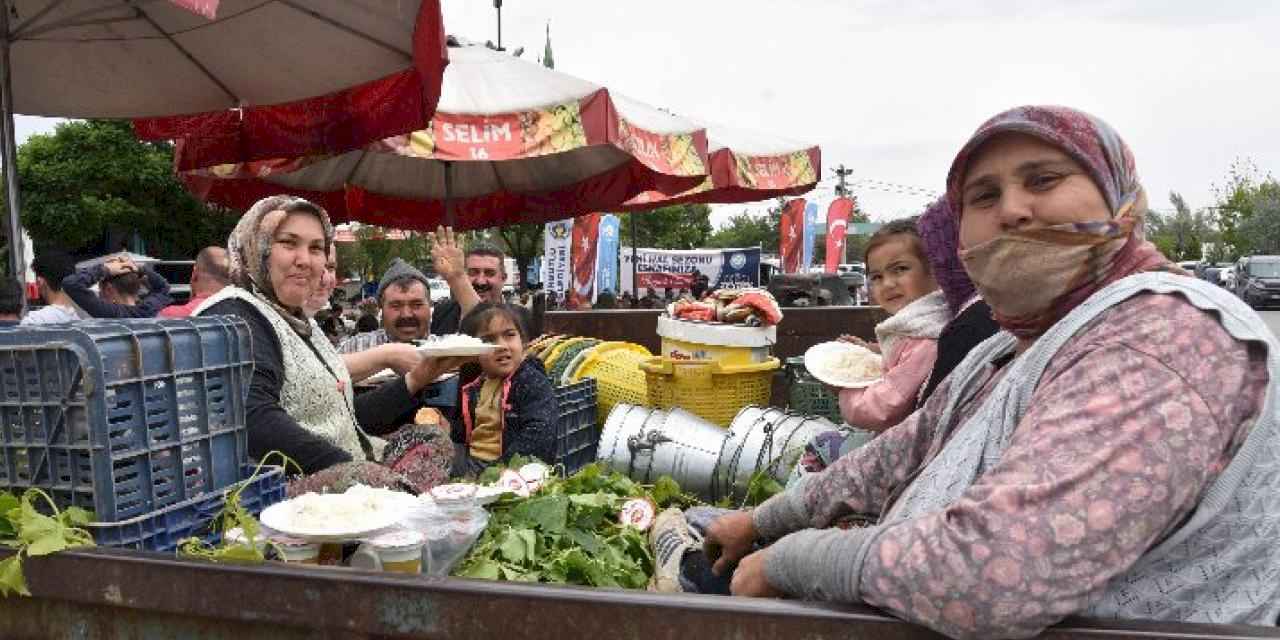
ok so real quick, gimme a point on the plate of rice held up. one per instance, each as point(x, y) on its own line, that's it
point(456, 344)
point(844, 365)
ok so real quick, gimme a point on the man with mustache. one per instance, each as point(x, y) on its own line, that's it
point(486, 272)
point(406, 310)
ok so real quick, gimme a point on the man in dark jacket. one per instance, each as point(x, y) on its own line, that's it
point(119, 281)
point(486, 272)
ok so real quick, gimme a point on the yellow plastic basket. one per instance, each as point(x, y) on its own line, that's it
point(709, 389)
point(544, 347)
point(616, 368)
point(550, 357)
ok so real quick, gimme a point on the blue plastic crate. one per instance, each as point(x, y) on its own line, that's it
point(124, 417)
point(162, 530)
point(576, 434)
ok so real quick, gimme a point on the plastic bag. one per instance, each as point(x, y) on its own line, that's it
point(450, 533)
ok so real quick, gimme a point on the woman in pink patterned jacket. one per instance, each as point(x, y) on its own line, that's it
point(1111, 453)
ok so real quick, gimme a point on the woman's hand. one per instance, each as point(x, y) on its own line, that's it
point(728, 540)
point(428, 369)
point(400, 357)
point(750, 581)
point(446, 254)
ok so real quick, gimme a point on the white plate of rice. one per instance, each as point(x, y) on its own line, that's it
point(844, 365)
point(336, 517)
point(457, 344)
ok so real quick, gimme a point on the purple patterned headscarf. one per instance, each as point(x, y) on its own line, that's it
point(1117, 245)
point(1088, 140)
point(940, 230)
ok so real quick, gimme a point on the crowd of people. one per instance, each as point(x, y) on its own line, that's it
point(1067, 423)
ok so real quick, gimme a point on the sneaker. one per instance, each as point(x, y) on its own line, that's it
point(670, 538)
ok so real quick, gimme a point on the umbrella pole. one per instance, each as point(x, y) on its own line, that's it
point(635, 284)
point(9, 149)
point(450, 214)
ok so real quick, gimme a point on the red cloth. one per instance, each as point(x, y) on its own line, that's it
point(182, 310)
point(791, 245)
point(206, 8)
point(837, 224)
point(329, 124)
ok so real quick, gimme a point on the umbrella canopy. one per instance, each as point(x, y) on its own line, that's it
point(745, 166)
point(255, 78)
point(511, 141)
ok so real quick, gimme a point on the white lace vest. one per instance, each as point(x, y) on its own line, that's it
point(309, 393)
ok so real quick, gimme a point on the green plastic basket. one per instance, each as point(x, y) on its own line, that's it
point(806, 395)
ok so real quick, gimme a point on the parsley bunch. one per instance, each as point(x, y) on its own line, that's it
point(32, 533)
point(569, 533)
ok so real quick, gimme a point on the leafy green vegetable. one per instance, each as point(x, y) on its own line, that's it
point(761, 487)
point(569, 532)
point(32, 533)
point(234, 515)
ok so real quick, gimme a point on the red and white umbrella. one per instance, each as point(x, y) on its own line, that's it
point(245, 79)
point(745, 166)
point(511, 141)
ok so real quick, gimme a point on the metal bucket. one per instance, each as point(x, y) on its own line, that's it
point(763, 438)
point(647, 444)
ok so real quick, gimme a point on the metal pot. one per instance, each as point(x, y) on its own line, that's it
point(763, 438)
point(647, 444)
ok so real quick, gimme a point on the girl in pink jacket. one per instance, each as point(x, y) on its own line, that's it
point(902, 283)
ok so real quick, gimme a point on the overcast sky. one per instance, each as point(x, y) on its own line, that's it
point(892, 88)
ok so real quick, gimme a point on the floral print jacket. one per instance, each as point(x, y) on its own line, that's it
point(1134, 417)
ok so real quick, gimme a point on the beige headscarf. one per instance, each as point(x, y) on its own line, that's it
point(249, 247)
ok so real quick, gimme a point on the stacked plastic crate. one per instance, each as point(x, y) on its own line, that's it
point(140, 421)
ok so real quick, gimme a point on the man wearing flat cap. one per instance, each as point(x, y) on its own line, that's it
point(403, 297)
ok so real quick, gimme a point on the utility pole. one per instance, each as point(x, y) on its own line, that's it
point(497, 4)
point(842, 187)
point(842, 190)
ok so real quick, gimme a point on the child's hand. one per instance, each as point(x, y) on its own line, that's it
point(874, 347)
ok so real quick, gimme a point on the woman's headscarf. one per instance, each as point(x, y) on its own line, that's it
point(1033, 278)
point(939, 228)
point(249, 247)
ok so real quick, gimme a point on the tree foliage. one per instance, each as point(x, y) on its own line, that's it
point(92, 179)
point(1248, 211)
point(523, 242)
point(747, 230)
point(682, 226)
point(1182, 234)
point(372, 252)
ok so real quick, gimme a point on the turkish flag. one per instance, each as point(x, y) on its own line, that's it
point(837, 223)
point(791, 245)
point(585, 231)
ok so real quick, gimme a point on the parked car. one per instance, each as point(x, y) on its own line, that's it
point(809, 290)
point(1258, 280)
point(438, 289)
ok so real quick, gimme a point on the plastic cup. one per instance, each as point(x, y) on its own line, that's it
point(394, 551)
point(295, 551)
